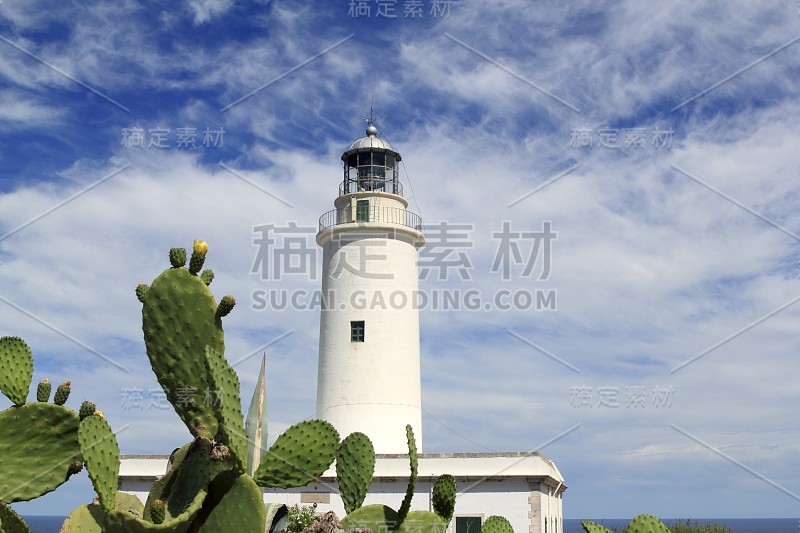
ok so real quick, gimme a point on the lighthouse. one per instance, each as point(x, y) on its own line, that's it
point(369, 346)
point(369, 368)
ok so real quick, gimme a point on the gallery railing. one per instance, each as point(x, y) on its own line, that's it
point(388, 215)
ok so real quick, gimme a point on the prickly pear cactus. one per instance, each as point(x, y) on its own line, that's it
point(497, 524)
point(375, 517)
point(16, 369)
point(228, 406)
point(101, 454)
point(38, 443)
point(422, 522)
point(184, 494)
point(355, 465)
point(158, 512)
point(90, 518)
point(225, 306)
point(592, 527)
point(43, 391)
point(412, 481)
point(177, 257)
point(646, 523)
point(199, 251)
point(10, 521)
point(179, 319)
point(234, 503)
point(87, 409)
point(62, 393)
point(299, 456)
point(444, 497)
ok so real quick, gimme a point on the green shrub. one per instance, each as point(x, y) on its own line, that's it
point(300, 517)
point(688, 526)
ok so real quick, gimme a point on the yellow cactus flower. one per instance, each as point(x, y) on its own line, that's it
point(100, 414)
point(200, 247)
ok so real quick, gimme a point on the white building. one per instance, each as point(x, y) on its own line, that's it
point(369, 366)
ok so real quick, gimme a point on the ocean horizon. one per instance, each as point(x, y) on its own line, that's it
point(737, 525)
point(52, 524)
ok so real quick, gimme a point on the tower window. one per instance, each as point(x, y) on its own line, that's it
point(356, 331)
point(362, 211)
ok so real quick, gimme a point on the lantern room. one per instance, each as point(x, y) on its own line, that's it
point(371, 164)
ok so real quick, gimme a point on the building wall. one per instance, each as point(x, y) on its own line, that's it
point(525, 488)
point(372, 386)
point(512, 499)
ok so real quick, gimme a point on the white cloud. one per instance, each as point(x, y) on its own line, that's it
point(650, 267)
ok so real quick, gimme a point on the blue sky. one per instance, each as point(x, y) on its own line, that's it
point(512, 111)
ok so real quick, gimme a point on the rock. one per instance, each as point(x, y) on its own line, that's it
point(329, 523)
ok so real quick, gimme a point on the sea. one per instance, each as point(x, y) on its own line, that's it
point(737, 525)
point(51, 524)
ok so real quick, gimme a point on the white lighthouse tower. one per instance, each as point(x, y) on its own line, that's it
point(369, 348)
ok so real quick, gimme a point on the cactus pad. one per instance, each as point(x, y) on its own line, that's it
point(423, 522)
point(43, 391)
point(177, 257)
point(198, 257)
point(159, 511)
point(497, 524)
point(190, 480)
point(355, 465)
point(375, 517)
point(62, 393)
point(87, 409)
point(141, 292)
point(184, 489)
point(234, 503)
point(225, 306)
point(646, 523)
point(38, 443)
point(101, 454)
point(16, 369)
point(179, 320)
point(11, 521)
point(299, 456)
point(225, 383)
point(412, 480)
point(444, 497)
point(592, 527)
point(90, 518)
